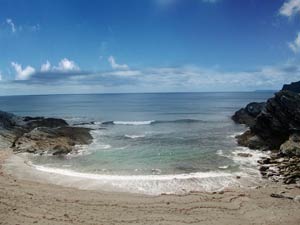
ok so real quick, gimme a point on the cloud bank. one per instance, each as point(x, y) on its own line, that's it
point(68, 78)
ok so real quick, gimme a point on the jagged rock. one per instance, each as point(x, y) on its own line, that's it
point(281, 117)
point(263, 168)
point(45, 122)
point(40, 135)
point(8, 120)
point(273, 125)
point(52, 141)
point(276, 127)
point(264, 161)
point(248, 114)
point(252, 141)
point(294, 87)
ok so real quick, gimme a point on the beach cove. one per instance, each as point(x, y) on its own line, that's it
point(28, 202)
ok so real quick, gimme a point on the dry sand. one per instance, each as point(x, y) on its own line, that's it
point(25, 202)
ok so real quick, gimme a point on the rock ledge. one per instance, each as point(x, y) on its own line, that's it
point(40, 135)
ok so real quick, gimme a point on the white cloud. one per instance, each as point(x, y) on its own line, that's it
point(295, 45)
point(66, 65)
point(22, 74)
point(290, 8)
point(46, 66)
point(159, 79)
point(115, 65)
point(0, 76)
point(191, 78)
point(11, 24)
point(126, 73)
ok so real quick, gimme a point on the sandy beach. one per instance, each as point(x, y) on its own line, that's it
point(26, 202)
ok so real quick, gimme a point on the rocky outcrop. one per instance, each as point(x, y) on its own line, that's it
point(248, 114)
point(40, 135)
point(276, 127)
point(275, 123)
point(294, 87)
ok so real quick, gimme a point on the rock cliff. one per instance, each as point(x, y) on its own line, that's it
point(275, 126)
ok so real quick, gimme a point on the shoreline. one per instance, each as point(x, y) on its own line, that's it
point(21, 167)
point(28, 202)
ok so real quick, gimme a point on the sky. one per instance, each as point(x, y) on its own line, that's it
point(117, 46)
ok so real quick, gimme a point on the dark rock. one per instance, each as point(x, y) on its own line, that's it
point(282, 114)
point(53, 141)
point(244, 155)
point(46, 122)
point(263, 168)
point(294, 86)
point(8, 120)
point(273, 195)
point(264, 161)
point(248, 114)
point(40, 135)
point(30, 118)
point(252, 141)
point(84, 123)
point(273, 124)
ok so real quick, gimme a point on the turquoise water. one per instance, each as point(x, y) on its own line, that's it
point(142, 135)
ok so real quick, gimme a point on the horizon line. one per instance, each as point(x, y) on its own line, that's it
point(120, 93)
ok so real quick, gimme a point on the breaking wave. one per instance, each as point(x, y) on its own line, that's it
point(151, 122)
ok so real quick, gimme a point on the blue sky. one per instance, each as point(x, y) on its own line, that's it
point(60, 46)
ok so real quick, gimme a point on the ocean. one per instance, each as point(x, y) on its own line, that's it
point(146, 143)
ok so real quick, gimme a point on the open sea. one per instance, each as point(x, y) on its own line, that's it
point(145, 143)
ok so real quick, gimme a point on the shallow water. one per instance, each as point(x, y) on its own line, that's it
point(167, 141)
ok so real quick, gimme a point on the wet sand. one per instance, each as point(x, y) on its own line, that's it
point(27, 202)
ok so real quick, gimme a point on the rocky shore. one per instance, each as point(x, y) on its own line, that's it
point(40, 135)
point(275, 125)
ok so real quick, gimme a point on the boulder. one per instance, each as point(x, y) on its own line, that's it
point(292, 146)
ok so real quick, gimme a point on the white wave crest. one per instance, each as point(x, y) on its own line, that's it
point(144, 184)
point(148, 122)
point(134, 136)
